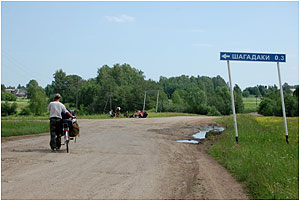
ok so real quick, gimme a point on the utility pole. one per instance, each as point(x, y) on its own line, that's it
point(157, 100)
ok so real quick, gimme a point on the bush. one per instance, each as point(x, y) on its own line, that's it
point(212, 111)
point(291, 106)
point(171, 107)
point(266, 107)
point(246, 93)
point(25, 111)
point(37, 96)
point(8, 109)
point(222, 100)
point(82, 110)
point(273, 106)
point(8, 96)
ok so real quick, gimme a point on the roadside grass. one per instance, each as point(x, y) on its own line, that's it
point(263, 161)
point(24, 118)
point(16, 128)
point(250, 104)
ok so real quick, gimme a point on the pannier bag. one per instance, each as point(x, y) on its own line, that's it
point(72, 124)
point(75, 129)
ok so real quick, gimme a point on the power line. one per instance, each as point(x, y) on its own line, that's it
point(22, 67)
point(19, 70)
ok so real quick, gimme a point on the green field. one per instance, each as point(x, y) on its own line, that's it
point(15, 128)
point(251, 104)
point(263, 161)
point(25, 118)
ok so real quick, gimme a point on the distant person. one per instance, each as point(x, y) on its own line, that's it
point(56, 108)
point(126, 114)
point(111, 113)
point(141, 115)
point(138, 113)
point(145, 114)
point(118, 110)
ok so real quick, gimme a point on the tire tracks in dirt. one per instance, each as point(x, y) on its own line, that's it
point(117, 159)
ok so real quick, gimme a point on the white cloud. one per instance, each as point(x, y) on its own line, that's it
point(120, 19)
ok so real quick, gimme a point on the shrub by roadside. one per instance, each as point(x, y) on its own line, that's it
point(8, 108)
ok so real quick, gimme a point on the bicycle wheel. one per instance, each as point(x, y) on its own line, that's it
point(67, 140)
point(67, 146)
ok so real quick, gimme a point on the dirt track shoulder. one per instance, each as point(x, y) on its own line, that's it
point(117, 159)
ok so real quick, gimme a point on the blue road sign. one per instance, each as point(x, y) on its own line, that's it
point(241, 56)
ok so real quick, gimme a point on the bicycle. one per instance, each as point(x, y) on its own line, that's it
point(67, 126)
point(66, 134)
point(67, 129)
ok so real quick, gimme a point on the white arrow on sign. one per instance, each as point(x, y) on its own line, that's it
point(225, 56)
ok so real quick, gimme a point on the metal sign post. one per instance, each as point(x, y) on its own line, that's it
point(233, 106)
point(283, 106)
point(262, 57)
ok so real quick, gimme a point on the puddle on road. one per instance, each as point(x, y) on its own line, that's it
point(188, 141)
point(202, 133)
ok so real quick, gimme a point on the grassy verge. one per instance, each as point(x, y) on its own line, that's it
point(24, 118)
point(263, 161)
point(15, 128)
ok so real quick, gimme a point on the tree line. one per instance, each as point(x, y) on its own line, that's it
point(124, 86)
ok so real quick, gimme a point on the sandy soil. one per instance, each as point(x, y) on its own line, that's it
point(117, 159)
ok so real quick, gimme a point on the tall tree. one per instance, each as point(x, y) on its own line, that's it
point(218, 82)
point(287, 88)
point(126, 86)
point(72, 86)
point(37, 96)
point(238, 99)
point(59, 83)
point(197, 100)
point(3, 87)
point(222, 100)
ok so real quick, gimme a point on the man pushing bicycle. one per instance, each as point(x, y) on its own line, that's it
point(56, 108)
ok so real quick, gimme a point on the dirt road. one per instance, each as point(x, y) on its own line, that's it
point(117, 159)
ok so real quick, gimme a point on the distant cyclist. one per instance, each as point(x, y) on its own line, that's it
point(56, 108)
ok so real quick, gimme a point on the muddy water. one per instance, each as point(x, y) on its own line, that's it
point(188, 141)
point(202, 133)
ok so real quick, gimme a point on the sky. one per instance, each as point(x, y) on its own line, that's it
point(159, 38)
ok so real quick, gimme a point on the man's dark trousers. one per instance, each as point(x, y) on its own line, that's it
point(55, 132)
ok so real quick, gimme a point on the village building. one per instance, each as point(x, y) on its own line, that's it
point(22, 93)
